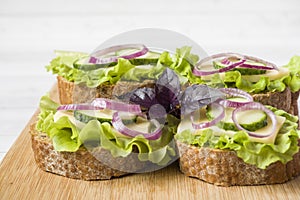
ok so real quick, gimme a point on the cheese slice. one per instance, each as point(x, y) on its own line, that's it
point(70, 116)
point(186, 124)
point(272, 74)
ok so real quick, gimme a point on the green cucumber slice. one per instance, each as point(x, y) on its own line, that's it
point(251, 120)
point(149, 58)
point(143, 61)
point(243, 71)
point(83, 64)
point(104, 115)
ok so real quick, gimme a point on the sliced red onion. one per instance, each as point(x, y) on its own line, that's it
point(98, 57)
point(234, 92)
point(220, 55)
point(255, 106)
point(103, 103)
point(243, 58)
point(210, 123)
point(77, 107)
point(120, 127)
point(258, 60)
point(226, 61)
point(198, 72)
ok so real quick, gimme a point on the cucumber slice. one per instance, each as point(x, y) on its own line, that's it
point(243, 71)
point(251, 120)
point(83, 64)
point(149, 58)
point(70, 116)
point(143, 61)
point(101, 115)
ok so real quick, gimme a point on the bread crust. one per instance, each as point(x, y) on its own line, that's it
point(224, 168)
point(280, 100)
point(79, 93)
point(82, 164)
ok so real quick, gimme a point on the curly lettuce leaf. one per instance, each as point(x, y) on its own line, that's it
point(181, 62)
point(67, 137)
point(94, 78)
point(294, 67)
point(159, 151)
point(255, 153)
point(62, 65)
point(235, 79)
point(64, 135)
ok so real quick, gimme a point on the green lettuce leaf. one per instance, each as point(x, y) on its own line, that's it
point(67, 137)
point(94, 78)
point(294, 67)
point(62, 65)
point(47, 110)
point(255, 153)
point(64, 135)
point(235, 79)
point(181, 62)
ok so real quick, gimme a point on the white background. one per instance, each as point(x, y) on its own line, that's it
point(31, 30)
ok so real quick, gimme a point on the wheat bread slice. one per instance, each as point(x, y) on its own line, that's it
point(280, 100)
point(224, 168)
point(69, 92)
point(83, 164)
point(79, 93)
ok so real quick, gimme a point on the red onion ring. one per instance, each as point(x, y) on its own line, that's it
point(77, 107)
point(103, 103)
point(210, 123)
point(255, 106)
point(220, 55)
point(254, 59)
point(120, 127)
point(198, 72)
point(234, 92)
point(97, 57)
point(226, 61)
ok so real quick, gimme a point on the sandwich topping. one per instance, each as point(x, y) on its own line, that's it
point(203, 103)
point(248, 73)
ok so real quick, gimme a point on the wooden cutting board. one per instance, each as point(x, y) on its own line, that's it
point(20, 178)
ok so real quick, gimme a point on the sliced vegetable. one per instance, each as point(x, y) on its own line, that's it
point(83, 64)
point(215, 119)
point(255, 106)
point(107, 55)
point(77, 107)
point(246, 64)
point(122, 128)
point(235, 102)
point(104, 115)
point(103, 103)
point(199, 72)
point(245, 68)
point(251, 120)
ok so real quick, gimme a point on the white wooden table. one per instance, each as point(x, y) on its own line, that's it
point(31, 30)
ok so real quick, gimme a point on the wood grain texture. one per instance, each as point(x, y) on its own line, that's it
point(20, 178)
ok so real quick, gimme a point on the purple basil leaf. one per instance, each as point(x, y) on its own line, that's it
point(197, 96)
point(167, 89)
point(145, 97)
